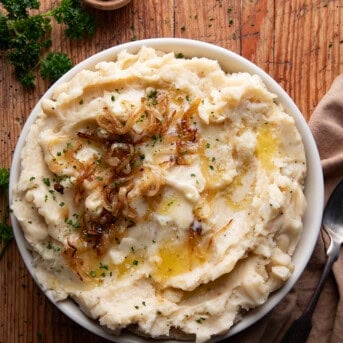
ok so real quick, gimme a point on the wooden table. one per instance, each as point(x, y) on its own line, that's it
point(298, 42)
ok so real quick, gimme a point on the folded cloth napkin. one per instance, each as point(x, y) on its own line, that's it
point(326, 124)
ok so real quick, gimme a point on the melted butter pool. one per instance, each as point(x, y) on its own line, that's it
point(267, 147)
point(239, 184)
point(97, 270)
point(176, 258)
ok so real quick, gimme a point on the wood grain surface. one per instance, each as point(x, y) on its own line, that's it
point(298, 42)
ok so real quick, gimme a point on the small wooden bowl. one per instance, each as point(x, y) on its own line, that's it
point(107, 5)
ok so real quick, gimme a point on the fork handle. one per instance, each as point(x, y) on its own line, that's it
point(301, 328)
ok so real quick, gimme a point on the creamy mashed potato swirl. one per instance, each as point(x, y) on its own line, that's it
point(162, 194)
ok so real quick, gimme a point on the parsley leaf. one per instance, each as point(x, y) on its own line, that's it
point(18, 9)
point(4, 177)
point(28, 37)
point(24, 37)
point(55, 65)
point(6, 233)
point(78, 21)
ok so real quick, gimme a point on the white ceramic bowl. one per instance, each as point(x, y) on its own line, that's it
point(230, 62)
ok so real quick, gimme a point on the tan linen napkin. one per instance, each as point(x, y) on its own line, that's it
point(327, 127)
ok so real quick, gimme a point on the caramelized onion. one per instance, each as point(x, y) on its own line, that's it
point(187, 142)
point(85, 173)
point(148, 183)
point(58, 188)
point(113, 125)
point(70, 254)
point(111, 202)
point(126, 179)
point(99, 231)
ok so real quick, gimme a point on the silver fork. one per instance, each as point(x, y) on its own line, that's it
point(333, 225)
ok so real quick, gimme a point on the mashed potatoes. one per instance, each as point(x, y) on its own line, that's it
point(162, 194)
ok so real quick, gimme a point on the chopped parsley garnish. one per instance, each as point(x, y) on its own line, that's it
point(200, 320)
point(211, 167)
point(115, 184)
point(152, 95)
point(155, 139)
point(142, 117)
point(52, 192)
point(208, 145)
point(74, 224)
point(61, 204)
point(113, 98)
point(103, 266)
point(92, 273)
point(192, 175)
point(32, 178)
point(179, 55)
point(135, 262)
point(46, 180)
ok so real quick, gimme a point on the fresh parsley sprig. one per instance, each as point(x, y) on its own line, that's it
point(77, 20)
point(25, 37)
point(6, 233)
point(55, 65)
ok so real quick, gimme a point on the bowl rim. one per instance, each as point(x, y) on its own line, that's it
point(313, 194)
point(108, 5)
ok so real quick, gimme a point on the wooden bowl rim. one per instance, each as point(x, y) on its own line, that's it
point(107, 5)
